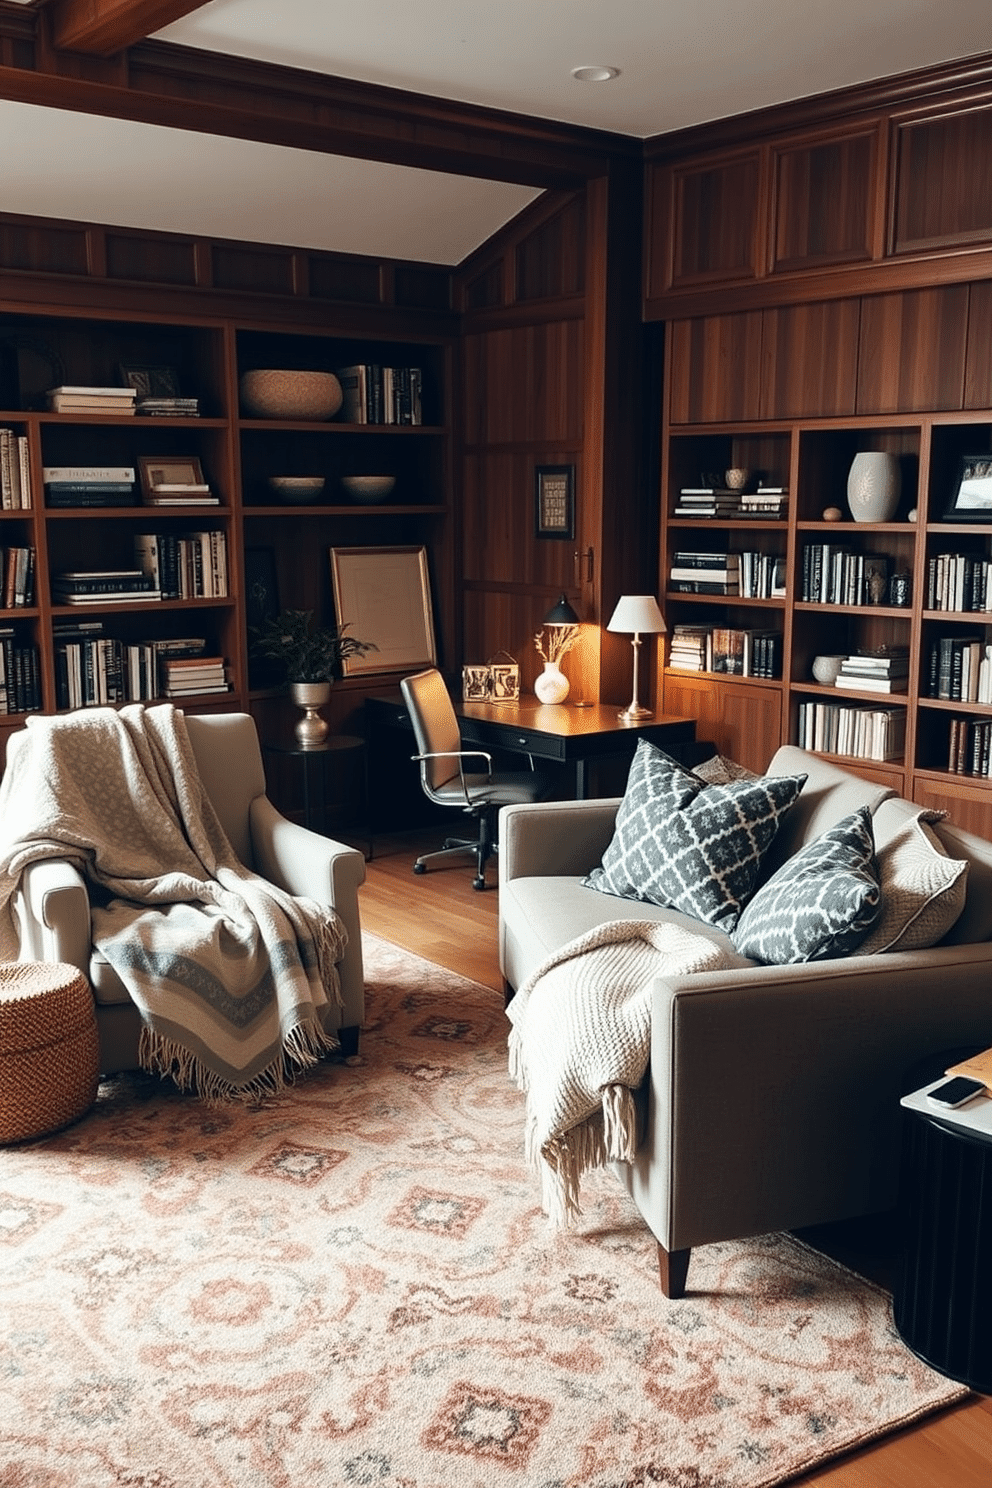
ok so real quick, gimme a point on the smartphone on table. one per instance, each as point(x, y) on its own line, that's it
point(957, 1091)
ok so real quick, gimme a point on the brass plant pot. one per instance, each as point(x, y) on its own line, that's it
point(311, 731)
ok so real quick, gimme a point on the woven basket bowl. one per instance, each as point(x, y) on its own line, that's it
point(285, 394)
point(49, 1048)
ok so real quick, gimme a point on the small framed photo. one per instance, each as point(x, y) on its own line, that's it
point(554, 489)
point(972, 500)
point(171, 474)
point(151, 382)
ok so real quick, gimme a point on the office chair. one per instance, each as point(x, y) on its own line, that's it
point(447, 781)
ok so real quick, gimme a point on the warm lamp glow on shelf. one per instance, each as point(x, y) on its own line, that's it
point(637, 615)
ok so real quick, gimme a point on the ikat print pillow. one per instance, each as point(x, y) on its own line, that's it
point(682, 844)
point(821, 903)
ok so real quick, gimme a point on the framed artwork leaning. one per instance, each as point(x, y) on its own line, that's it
point(383, 595)
point(972, 499)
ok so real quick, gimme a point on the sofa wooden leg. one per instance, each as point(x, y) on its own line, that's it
point(509, 993)
point(673, 1267)
point(348, 1040)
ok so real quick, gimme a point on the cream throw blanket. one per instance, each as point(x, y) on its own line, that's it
point(229, 973)
point(580, 1042)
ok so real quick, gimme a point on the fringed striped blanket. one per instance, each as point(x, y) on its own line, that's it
point(580, 1043)
point(229, 973)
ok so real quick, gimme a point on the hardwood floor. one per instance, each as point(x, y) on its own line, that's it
point(440, 916)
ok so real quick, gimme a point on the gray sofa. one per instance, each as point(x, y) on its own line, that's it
point(772, 1095)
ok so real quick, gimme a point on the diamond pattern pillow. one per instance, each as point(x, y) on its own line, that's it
point(686, 845)
point(821, 903)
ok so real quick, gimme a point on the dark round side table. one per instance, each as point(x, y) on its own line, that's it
point(314, 764)
point(942, 1303)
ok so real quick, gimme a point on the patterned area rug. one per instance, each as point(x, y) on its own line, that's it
point(353, 1284)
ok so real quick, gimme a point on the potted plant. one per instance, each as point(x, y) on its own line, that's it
point(311, 654)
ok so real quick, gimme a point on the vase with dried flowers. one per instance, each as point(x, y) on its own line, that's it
point(552, 643)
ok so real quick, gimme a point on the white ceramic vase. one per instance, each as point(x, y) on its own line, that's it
point(874, 484)
point(311, 730)
point(552, 684)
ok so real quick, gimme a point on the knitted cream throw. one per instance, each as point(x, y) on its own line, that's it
point(229, 973)
point(580, 1042)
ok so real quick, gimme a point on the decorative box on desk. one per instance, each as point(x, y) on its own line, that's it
point(943, 1297)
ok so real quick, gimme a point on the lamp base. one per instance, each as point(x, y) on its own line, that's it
point(635, 713)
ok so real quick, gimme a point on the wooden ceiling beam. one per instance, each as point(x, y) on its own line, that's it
point(105, 27)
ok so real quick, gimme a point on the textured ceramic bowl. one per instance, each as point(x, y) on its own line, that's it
point(297, 488)
point(368, 487)
point(737, 478)
point(826, 669)
point(285, 394)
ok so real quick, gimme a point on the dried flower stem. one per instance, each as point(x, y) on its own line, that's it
point(560, 640)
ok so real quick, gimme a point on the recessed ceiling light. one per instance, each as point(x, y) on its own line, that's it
point(595, 74)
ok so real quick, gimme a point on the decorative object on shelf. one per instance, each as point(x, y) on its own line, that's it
point(832, 514)
point(874, 485)
point(311, 730)
point(368, 488)
point(28, 365)
point(738, 478)
point(309, 655)
point(174, 480)
point(558, 634)
point(282, 393)
point(636, 615)
point(900, 589)
point(297, 489)
point(492, 682)
point(554, 495)
point(385, 593)
point(876, 570)
point(972, 500)
point(911, 515)
point(826, 669)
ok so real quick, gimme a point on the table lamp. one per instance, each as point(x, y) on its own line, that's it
point(637, 615)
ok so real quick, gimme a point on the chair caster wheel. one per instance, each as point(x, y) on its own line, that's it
point(479, 884)
point(420, 867)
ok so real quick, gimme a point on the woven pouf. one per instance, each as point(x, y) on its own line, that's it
point(49, 1048)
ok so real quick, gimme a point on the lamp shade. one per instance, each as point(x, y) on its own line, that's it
point(562, 614)
point(637, 614)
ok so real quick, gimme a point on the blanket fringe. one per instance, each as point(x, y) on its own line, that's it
point(608, 1135)
point(303, 1047)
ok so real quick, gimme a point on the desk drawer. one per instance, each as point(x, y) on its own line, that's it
point(491, 736)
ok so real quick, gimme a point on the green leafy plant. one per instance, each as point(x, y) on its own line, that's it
point(309, 653)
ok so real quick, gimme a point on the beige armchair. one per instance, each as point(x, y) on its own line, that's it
point(52, 907)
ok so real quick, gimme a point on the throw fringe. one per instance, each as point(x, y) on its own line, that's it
point(607, 1135)
point(303, 1047)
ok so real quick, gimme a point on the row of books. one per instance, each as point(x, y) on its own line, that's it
point(114, 485)
point(20, 674)
point(94, 670)
point(88, 399)
point(733, 651)
point(970, 747)
point(883, 670)
point(960, 669)
point(768, 502)
point(15, 471)
point(862, 733)
point(16, 578)
point(704, 573)
point(959, 581)
point(190, 565)
point(834, 574)
point(381, 395)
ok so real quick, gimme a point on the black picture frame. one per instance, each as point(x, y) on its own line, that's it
point(554, 501)
point(150, 382)
point(972, 498)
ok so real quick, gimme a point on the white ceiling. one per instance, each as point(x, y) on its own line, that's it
point(680, 64)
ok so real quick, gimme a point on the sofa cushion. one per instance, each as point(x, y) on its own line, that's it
point(975, 921)
point(687, 845)
point(821, 903)
point(829, 795)
point(923, 890)
point(719, 770)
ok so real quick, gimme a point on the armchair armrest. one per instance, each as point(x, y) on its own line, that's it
point(315, 867)
point(554, 838)
point(52, 909)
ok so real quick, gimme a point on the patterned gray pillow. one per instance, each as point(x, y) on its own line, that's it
point(690, 846)
point(819, 904)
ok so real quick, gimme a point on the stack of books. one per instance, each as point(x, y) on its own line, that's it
point(726, 649)
point(707, 501)
point(15, 471)
point(690, 648)
point(769, 502)
point(705, 573)
point(184, 676)
point(381, 395)
point(883, 670)
point(149, 406)
point(16, 578)
point(104, 587)
point(88, 485)
point(102, 400)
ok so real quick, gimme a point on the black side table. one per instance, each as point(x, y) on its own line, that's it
point(314, 763)
point(942, 1303)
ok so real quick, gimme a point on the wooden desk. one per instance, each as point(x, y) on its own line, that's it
point(559, 733)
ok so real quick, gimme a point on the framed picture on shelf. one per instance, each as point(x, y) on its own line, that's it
point(972, 499)
point(165, 474)
point(554, 492)
point(383, 595)
point(151, 382)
